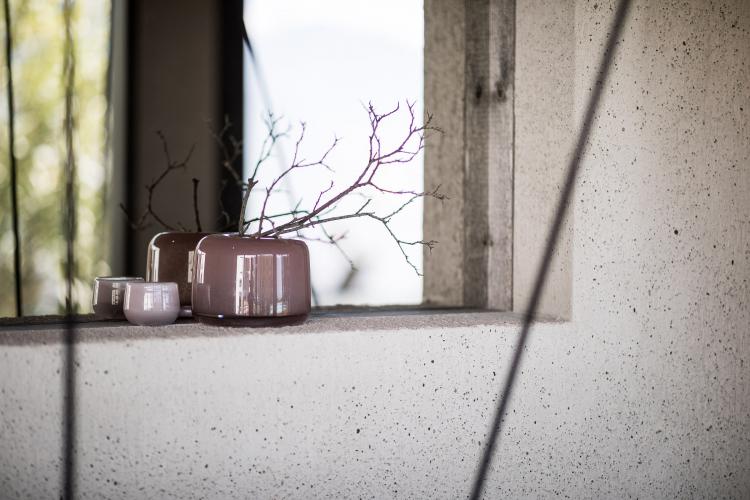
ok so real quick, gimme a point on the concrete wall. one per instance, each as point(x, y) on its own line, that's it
point(656, 264)
point(545, 131)
point(644, 393)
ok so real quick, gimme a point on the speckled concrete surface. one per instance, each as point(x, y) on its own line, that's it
point(260, 415)
point(320, 321)
point(661, 250)
point(645, 393)
point(545, 131)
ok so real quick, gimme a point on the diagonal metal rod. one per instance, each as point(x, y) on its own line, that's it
point(69, 224)
point(13, 166)
point(549, 251)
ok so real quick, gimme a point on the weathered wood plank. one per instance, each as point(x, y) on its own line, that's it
point(477, 77)
point(444, 54)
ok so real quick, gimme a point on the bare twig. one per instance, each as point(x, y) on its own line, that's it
point(231, 150)
point(269, 143)
point(141, 222)
point(384, 220)
point(331, 240)
point(195, 206)
point(325, 206)
point(245, 197)
point(377, 158)
point(230, 147)
point(292, 213)
point(297, 163)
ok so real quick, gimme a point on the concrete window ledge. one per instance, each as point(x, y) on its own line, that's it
point(43, 330)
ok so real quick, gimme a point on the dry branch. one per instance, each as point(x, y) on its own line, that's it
point(325, 209)
point(171, 166)
point(326, 204)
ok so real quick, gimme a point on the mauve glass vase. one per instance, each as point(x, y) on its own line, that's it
point(170, 258)
point(151, 304)
point(109, 294)
point(245, 281)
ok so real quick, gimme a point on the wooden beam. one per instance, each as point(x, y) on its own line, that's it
point(469, 87)
point(444, 54)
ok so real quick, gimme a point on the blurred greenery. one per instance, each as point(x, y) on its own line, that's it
point(38, 37)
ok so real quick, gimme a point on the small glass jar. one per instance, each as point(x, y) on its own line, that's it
point(151, 304)
point(170, 258)
point(109, 295)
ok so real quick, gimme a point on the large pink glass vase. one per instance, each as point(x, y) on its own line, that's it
point(245, 281)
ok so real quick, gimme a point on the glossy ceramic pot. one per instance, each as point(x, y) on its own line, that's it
point(170, 259)
point(152, 304)
point(244, 281)
point(109, 296)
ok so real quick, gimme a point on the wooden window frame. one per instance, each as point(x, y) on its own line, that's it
point(469, 63)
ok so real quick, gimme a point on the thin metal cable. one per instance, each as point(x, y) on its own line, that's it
point(69, 223)
point(13, 166)
point(559, 218)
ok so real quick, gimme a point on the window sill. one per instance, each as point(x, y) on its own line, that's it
point(49, 329)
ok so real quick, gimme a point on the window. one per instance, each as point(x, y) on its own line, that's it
point(322, 62)
point(317, 62)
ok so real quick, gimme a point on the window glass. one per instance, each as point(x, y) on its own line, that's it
point(322, 63)
point(38, 35)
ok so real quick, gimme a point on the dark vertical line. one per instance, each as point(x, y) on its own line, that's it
point(132, 81)
point(511, 282)
point(69, 223)
point(106, 156)
point(230, 96)
point(13, 166)
point(557, 224)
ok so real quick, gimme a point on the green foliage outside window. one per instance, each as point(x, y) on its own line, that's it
point(38, 47)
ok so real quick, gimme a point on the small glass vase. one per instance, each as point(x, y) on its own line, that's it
point(109, 296)
point(170, 258)
point(151, 304)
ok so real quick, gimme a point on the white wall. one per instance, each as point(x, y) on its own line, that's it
point(644, 393)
